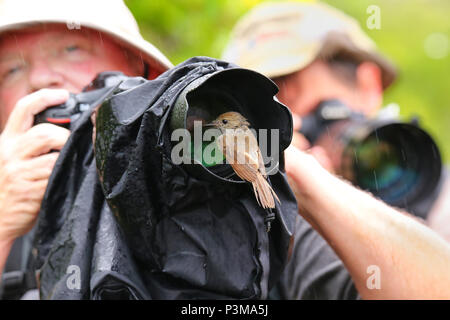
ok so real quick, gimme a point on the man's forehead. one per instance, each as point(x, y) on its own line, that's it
point(13, 40)
point(42, 30)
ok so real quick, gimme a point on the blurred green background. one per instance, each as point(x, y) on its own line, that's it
point(414, 34)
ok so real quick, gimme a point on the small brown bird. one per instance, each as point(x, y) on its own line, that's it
point(241, 150)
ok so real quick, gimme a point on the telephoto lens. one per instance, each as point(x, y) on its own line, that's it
point(396, 161)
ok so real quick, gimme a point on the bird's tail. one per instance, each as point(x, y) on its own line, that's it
point(264, 193)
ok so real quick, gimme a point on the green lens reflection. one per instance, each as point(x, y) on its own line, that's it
point(378, 164)
point(206, 153)
point(380, 167)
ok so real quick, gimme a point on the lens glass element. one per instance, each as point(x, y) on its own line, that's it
point(381, 166)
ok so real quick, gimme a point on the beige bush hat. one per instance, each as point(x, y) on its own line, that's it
point(108, 16)
point(280, 38)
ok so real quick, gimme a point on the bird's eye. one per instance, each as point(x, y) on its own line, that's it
point(224, 121)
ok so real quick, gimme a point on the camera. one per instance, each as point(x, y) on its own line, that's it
point(66, 114)
point(396, 161)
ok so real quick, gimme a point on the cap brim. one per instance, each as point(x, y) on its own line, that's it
point(340, 44)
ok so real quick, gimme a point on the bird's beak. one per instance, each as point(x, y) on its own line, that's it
point(211, 124)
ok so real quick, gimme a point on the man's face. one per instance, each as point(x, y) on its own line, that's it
point(305, 89)
point(54, 57)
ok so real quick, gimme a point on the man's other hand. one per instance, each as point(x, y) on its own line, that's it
point(299, 141)
point(26, 161)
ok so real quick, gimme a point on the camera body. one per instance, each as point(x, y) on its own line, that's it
point(396, 161)
point(66, 114)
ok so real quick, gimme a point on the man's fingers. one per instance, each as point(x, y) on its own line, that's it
point(41, 139)
point(322, 157)
point(296, 122)
point(35, 191)
point(299, 141)
point(39, 168)
point(22, 117)
point(39, 187)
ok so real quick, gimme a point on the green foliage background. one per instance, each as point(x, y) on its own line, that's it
point(186, 28)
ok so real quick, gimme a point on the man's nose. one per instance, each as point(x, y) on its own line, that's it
point(43, 76)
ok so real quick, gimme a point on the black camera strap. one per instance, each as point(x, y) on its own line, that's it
point(18, 277)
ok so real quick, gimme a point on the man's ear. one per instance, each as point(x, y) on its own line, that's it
point(370, 88)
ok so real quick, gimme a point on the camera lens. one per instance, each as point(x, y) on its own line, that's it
point(379, 166)
point(397, 162)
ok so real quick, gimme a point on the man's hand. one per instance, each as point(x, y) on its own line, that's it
point(300, 142)
point(26, 161)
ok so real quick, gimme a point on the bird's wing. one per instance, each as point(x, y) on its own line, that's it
point(255, 152)
point(240, 153)
point(261, 166)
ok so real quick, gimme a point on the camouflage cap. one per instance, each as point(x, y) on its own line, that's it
point(280, 38)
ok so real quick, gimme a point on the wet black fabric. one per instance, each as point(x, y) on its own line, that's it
point(124, 222)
